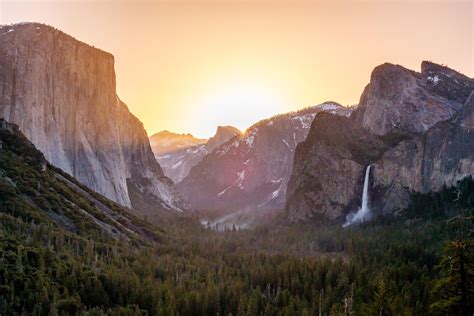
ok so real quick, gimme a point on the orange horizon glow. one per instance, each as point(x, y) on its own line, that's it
point(189, 66)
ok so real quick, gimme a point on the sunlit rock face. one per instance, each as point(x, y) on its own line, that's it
point(400, 100)
point(222, 135)
point(414, 128)
point(251, 171)
point(61, 93)
point(177, 163)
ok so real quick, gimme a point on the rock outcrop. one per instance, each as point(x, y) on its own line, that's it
point(251, 171)
point(399, 100)
point(61, 93)
point(222, 135)
point(441, 157)
point(176, 164)
point(414, 128)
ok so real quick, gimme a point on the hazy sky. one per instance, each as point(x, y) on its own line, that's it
point(188, 66)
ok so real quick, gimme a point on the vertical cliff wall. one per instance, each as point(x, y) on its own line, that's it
point(414, 128)
point(62, 94)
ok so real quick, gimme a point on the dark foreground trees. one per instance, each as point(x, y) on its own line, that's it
point(381, 269)
point(453, 291)
point(53, 261)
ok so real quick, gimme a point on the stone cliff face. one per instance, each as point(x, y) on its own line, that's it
point(222, 135)
point(413, 128)
point(77, 210)
point(61, 93)
point(427, 162)
point(399, 100)
point(251, 171)
point(176, 164)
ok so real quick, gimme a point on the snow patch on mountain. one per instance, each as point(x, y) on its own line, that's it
point(249, 139)
point(176, 165)
point(286, 143)
point(433, 79)
point(238, 182)
point(305, 120)
point(184, 154)
point(261, 159)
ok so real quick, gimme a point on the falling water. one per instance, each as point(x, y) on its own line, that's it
point(364, 212)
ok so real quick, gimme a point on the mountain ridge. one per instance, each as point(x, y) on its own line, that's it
point(165, 142)
point(177, 163)
point(250, 171)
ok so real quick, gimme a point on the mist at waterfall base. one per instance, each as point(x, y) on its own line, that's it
point(363, 214)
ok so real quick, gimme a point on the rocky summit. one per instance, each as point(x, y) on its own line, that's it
point(165, 142)
point(251, 171)
point(62, 95)
point(177, 162)
point(414, 128)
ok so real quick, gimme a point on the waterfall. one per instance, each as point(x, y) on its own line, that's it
point(363, 213)
point(365, 194)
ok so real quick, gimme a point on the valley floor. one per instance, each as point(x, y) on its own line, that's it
point(57, 258)
point(383, 268)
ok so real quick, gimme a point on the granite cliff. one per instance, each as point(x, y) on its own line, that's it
point(414, 128)
point(62, 95)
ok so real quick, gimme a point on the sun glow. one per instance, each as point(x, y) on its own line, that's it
point(238, 103)
point(188, 66)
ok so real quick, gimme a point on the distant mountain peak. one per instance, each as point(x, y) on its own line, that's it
point(222, 135)
point(227, 127)
point(172, 134)
point(251, 170)
point(177, 163)
point(166, 142)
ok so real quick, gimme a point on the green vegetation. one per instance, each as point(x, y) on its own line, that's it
point(454, 290)
point(57, 259)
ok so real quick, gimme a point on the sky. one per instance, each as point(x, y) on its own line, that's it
point(189, 66)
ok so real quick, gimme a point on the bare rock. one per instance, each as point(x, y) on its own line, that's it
point(177, 163)
point(251, 171)
point(62, 95)
point(415, 129)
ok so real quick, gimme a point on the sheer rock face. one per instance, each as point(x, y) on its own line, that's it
point(222, 135)
point(176, 164)
point(251, 171)
point(399, 100)
point(61, 93)
point(414, 128)
point(427, 162)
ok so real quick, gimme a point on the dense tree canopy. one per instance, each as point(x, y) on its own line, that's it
point(54, 260)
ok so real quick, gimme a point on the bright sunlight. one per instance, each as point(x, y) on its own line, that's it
point(232, 102)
